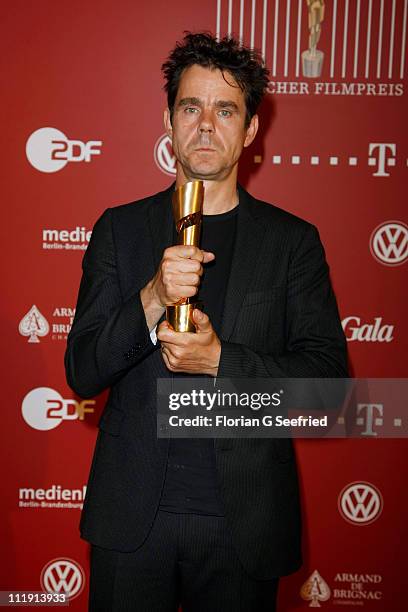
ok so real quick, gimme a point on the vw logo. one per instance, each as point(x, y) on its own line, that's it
point(389, 243)
point(164, 156)
point(63, 576)
point(360, 503)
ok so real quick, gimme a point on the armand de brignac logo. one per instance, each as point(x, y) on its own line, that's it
point(34, 325)
point(315, 590)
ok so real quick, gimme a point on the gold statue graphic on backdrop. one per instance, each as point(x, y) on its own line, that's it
point(312, 58)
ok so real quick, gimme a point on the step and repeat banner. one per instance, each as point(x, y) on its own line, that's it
point(82, 107)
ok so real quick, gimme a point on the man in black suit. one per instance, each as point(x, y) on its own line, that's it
point(210, 524)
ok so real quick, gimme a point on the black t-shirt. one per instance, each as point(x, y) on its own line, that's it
point(191, 478)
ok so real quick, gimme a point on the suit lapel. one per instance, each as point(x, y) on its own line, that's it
point(161, 224)
point(161, 228)
point(247, 247)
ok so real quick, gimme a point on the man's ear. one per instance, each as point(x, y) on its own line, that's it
point(167, 122)
point(251, 130)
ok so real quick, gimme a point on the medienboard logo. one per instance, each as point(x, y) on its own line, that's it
point(389, 243)
point(164, 156)
point(44, 408)
point(360, 503)
point(63, 575)
point(337, 48)
point(49, 150)
point(54, 497)
point(76, 239)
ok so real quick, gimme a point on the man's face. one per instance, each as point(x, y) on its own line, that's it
point(208, 126)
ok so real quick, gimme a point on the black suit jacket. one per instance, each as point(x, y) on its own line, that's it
point(280, 320)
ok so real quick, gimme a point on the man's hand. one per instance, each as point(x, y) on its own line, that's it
point(197, 353)
point(178, 276)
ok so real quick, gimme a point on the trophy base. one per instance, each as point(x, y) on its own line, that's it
point(312, 63)
point(180, 316)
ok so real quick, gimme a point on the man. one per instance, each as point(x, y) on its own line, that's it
point(208, 524)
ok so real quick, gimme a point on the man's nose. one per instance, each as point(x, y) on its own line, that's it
point(206, 121)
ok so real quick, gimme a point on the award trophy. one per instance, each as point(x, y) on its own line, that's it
point(187, 212)
point(312, 58)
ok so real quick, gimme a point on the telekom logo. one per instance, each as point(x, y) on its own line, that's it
point(49, 150)
point(370, 415)
point(382, 155)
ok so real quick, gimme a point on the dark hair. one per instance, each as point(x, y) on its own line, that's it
point(244, 64)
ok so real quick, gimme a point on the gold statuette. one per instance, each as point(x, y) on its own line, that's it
point(187, 212)
point(312, 58)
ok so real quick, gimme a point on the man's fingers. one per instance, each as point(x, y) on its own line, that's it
point(163, 326)
point(188, 265)
point(166, 357)
point(167, 335)
point(183, 291)
point(189, 252)
point(208, 256)
point(186, 279)
point(202, 321)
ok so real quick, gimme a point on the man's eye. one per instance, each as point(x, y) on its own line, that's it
point(225, 113)
point(190, 109)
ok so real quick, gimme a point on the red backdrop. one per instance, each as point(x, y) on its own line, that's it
point(332, 150)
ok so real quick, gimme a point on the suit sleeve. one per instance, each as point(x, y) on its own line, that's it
point(315, 345)
point(109, 334)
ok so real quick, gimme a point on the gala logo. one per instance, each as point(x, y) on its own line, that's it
point(356, 331)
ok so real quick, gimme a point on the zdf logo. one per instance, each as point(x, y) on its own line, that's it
point(63, 576)
point(389, 243)
point(49, 150)
point(43, 408)
point(164, 156)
